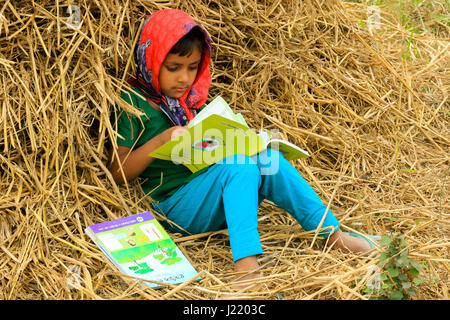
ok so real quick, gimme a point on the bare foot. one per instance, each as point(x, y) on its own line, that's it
point(247, 270)
point(348, 243)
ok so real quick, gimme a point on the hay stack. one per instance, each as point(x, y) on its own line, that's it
point(375, 123)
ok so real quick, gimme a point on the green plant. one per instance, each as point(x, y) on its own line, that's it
point(399, 275)
point(406, 54)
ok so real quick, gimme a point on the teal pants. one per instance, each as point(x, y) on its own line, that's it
point(228, 194)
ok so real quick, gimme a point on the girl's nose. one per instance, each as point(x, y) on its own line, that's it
point(183, 76)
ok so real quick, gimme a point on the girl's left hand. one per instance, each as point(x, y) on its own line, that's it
point(176, 131)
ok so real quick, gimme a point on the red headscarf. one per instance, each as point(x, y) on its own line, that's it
point(159, 33)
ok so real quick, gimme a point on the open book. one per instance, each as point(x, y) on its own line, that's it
point(140, 247)
point(220, 107)
point(216, 133)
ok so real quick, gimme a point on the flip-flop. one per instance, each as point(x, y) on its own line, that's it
point(368, 238)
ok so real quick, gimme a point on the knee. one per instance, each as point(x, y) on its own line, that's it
point(269, 152)
point(272, 155)
point(270, 161)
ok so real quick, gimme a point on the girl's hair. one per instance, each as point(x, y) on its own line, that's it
point(193, 39)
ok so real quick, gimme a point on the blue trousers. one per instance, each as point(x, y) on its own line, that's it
point(228, 194)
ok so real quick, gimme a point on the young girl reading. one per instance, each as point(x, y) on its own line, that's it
point(172, 57)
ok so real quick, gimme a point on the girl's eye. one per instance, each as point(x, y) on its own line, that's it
point(174, 69)
point(171, 69)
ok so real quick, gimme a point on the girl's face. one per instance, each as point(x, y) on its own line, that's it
point(177, 73)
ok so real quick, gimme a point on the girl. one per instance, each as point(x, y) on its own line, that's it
point(172, 57)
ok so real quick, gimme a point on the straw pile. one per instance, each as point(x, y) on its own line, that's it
point(374, 120)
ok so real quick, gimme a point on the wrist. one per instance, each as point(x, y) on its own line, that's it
point(166, 136)
point(173, 132)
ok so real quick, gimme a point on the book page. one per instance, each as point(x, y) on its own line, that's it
point(290, 151)
point(265, 136)
point(217, 106)
point(240, 118)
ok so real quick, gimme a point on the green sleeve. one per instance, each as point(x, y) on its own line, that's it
point(128, 127)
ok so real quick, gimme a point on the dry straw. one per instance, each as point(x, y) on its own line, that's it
point(375, 121)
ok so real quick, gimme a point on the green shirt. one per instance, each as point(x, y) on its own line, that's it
point(161, 178)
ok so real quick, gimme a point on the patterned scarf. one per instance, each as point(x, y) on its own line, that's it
point(159, 33)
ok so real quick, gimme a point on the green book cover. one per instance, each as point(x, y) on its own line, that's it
point(209, 141)
point(216, 133)
point(140, 247)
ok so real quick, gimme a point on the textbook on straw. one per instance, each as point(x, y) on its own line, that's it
point(140, 247)
point(216, 133)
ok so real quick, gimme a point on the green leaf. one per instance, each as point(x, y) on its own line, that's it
point(383, 277)
point(403, 277)
point(383, 257)
point(393, 272)
point(385, 240)
point(411, 292)
point(385, 285)
point(361, 22)
point(396, 295)
point(414, 272)
point(416, 265)
point(404, 253)
point(418, 281)
point(406, 285)
point(402, 262)
point(402, 242)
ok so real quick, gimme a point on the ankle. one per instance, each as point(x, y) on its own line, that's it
point(335, 239)
point(348, 243)
point(246, 264)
